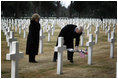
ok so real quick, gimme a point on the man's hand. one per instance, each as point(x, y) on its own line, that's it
point(76, 47)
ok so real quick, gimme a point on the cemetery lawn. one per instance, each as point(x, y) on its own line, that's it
point(102, 67)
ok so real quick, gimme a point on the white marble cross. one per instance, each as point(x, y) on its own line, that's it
point(14, 56)
point(20, 28)
point(24, 36)
point(4, 29)
point(108, 33)
point(112, 40)
point(7, 35)
point(49, 33)
point(16, 25)
point(90, 25)
point(53, 28)
point(103, 25)
point(97, 33)
point(11, 39)
point(106, 28)
point(90, 44)
point(41, 41)
point(82, 39)
point(114, 28)
point(88, 30)
point(12, 24)
point(60, 48)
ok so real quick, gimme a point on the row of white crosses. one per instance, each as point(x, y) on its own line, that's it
point(7, 32)
point(111, 38)
point(14, 55)
point(60, 48)
point(21, 24)
point(81, 21)
point(61, 22)
point(48, 26)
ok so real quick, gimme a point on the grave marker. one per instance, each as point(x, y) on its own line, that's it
point(7, 35)
point(97, 33)
point(108, 33)
point(112, 40)
point(41, 41)
point(60, 48)
point(49, 33)
point(15, 55)
point(19, 28)
point(24, 36)
point(90, 44)
point(11, 39)
point(82, 39)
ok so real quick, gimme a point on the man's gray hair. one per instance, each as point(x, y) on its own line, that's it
point(80, 28)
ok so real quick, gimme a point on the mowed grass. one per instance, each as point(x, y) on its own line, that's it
point(102, 66)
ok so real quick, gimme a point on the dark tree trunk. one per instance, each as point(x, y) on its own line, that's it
point(39, 8)
point(58, 9)
point(17, 10)
point(70, 10)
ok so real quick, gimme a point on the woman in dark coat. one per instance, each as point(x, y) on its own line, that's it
point(33, 38)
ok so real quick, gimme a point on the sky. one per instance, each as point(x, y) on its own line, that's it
point(65, 3)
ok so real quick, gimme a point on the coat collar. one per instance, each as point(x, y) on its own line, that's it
point(33, 22)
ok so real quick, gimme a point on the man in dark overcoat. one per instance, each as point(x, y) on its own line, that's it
point(69, 32)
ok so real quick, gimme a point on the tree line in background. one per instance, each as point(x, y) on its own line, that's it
point(82, 9)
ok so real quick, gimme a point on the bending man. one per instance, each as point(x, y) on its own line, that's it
point(69, 32)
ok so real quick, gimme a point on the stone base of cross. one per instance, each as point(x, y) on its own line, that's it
point(60, 48)
point(90, 44)
point(14, 56)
